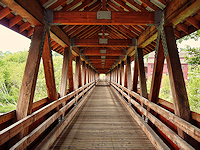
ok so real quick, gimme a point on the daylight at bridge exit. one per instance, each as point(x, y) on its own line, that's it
point(100, 74)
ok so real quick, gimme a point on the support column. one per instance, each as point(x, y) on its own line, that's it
point(157, 74)
point(177, 83)
point(77, 82)
point(122, 73)
point(26, 94)
point(125, 76)
point(70, 73)
point(64, 76)
point(49, 72)
point(142, 77)
point(119, 74)
point(128, 70)
point(135, 76)
point(88, 74)
point(83, 73)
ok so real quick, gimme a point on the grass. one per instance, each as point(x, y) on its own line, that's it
point(7, 108)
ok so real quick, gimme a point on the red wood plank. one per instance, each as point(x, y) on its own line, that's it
point(4, 12)
point(90, 18)
point(70, 74)
point(25, 100)
point(64, 76)
point(177, 83)
point(95, 43)
point(157, 74)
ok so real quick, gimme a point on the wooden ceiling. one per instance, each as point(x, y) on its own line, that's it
point(130, 19)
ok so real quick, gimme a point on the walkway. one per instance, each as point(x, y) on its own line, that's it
point(103, 123)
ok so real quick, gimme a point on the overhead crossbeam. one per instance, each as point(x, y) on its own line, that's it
point(106, 18)
point(97, 43)
point(100, 57)
point(99, 52)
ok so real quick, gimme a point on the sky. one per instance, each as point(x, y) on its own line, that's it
point(14, 42)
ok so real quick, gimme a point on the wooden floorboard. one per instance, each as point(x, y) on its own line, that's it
point(103, 123)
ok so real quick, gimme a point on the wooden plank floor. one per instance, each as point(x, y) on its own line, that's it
point(103, 123)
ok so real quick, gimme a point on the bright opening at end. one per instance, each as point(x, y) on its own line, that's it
point(102, 76)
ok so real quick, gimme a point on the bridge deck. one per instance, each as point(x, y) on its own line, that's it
point(103, 123)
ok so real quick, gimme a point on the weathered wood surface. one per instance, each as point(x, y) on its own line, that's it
point(161, 126)
point(187, 127)
point(9, 132)
point(103, 123)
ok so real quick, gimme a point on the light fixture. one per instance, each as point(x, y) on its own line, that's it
point(105, 34)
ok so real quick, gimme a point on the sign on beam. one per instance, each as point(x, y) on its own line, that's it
point(104, 15)
point(103, 51)
point(103, 41)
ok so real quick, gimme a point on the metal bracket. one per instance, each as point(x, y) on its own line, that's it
point(134, 42)
point(103, 51)
point(72, 42)
point(104, 15)
point(125, 52)
point(103, 41)
point(49, 16)
point(158, 16)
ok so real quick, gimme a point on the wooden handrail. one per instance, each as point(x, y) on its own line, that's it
point(27, 140)
point(187, 127)
point(9, 132)
point(12, 114)
point(170, 134)
point(195, 116)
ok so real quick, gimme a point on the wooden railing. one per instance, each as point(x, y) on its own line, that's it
point(14, 129)
point(187, 127)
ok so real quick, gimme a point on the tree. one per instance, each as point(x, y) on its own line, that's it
point(165, 90)
point(195, 36)
point(193, 88)
point(193, 56)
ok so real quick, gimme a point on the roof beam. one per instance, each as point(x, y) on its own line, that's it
point(181, 10)
point(90, 18)
point(96, 52)
point(33, 12)
point(100, 58)
point(96, 43)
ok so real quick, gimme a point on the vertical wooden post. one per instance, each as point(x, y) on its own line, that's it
point(87, 74)
point(77, 82)
point(26, 94)
point(64, 76)
point(115, 74)
point(70, 73)
point(122, 73)
point(135, 76)
point(125, 76)
point(49, 72)
point(157, 74)
point(83, 73)
point(119, 74)
point(129, 81)
point(142, 77)
point(177, 83)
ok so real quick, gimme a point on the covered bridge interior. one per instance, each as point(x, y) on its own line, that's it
point(101, 36)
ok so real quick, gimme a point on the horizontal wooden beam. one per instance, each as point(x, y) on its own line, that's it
point(95, 43)
point(106, 61)
point(181, 10)
point(100, 58)
point(103, 52)
point(33, 12)
point(90, 18)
